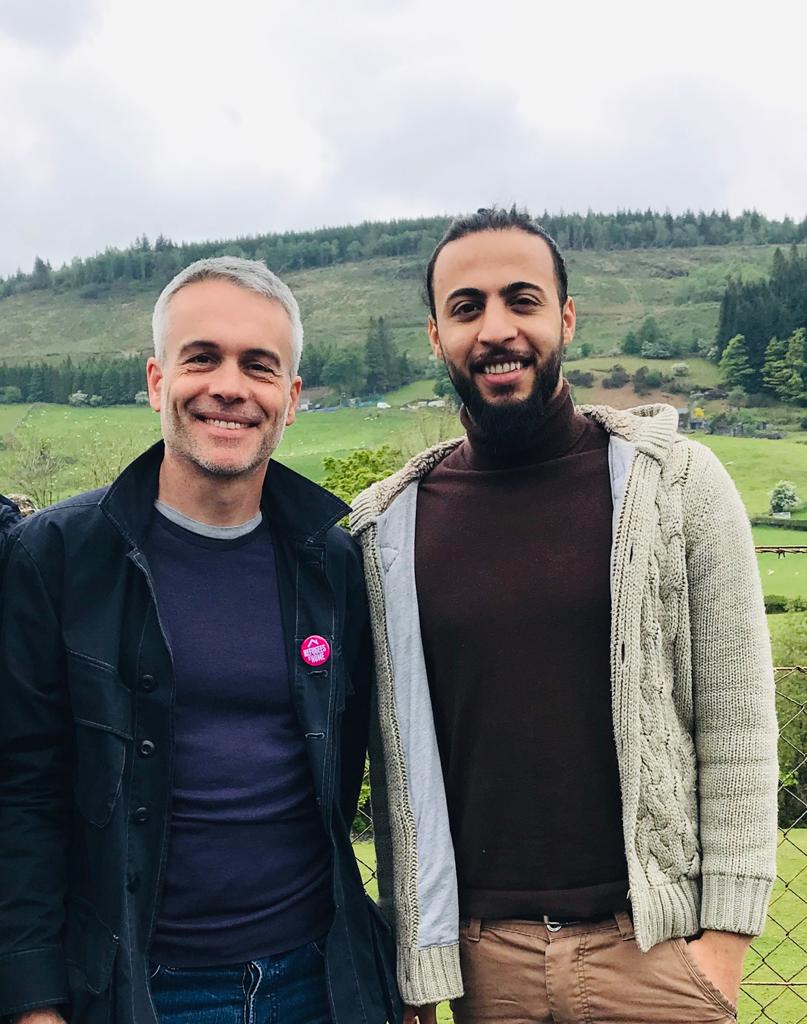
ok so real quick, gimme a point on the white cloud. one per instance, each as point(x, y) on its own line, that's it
point(201, 120)
point(53, 25)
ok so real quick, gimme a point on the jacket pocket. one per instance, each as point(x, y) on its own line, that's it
point(89, 948)
point(102, 715)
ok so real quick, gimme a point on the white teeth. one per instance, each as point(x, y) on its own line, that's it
point(501, 368)
point(227, 424)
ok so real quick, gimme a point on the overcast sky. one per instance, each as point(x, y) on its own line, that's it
point(208, 120)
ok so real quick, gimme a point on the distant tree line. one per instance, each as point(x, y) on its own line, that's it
point(101, 381)
point(372, 368)
point(762, 331)
point(153, 264)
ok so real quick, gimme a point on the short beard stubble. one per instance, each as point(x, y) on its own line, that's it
point(182, 444)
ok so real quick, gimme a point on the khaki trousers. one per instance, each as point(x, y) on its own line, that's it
point(525, 972)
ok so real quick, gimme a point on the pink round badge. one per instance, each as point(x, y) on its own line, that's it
point(315, 650)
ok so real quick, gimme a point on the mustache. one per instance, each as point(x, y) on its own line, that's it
point(250, 414)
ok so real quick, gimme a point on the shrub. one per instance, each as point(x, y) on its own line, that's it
point(10, 394)
point(645, 381)
point(776, 603)
point(617, 378)
point(580, 378)
point(347, 477)
point(784, 497)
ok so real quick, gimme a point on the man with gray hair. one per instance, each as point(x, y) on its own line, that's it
point(183, 717)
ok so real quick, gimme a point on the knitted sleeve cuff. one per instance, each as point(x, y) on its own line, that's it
point(430, 975)
point(731, 904)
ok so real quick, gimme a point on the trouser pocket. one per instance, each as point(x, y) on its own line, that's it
point(662, 986)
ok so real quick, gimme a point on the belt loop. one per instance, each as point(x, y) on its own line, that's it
point(625, 924)
point(474, 929)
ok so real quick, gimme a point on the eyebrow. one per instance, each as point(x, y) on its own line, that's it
point(202, 344)
point(509, 289)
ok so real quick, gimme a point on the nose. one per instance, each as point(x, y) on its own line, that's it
point(228, 383)
point(497, 323)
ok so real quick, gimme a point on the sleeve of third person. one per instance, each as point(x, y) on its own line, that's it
point(34, 787)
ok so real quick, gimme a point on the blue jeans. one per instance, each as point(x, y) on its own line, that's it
point(288, 988)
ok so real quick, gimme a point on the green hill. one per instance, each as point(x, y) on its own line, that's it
point(614, 291)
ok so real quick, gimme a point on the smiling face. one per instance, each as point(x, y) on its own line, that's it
point(225, 388)
point(499, 326)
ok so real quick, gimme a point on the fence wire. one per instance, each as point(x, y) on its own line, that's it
point(775, 978)
point(774, 985)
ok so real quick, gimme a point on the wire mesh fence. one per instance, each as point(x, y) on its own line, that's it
point(775, 977)
point(775, 981)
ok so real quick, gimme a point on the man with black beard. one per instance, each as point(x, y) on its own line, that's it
point(577, 741)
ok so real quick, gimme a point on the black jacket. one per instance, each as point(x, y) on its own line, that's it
point(86, 692)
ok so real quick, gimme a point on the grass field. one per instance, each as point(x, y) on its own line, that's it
point(96, 443)
point(417, 391)
point(788, 575)
point(789, 638)
point(756, 465)
point(614, 291)
point(775, 958)
point(702, 374)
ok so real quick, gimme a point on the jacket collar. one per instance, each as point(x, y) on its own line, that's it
point(293, 504)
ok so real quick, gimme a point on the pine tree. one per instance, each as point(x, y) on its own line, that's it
point(774, 369)
point(735, 365)
point(40, 278)
point(389, 355)
point(36, 386)
point(374, 358)
point(794, 388)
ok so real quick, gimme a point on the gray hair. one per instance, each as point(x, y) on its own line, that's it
point(253, 275)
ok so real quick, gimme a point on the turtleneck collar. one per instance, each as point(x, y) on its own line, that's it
point(560, 428)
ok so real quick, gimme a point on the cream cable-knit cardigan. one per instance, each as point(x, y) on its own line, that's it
point(692, 697)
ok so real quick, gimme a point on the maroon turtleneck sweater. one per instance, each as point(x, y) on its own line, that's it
point(512, 568)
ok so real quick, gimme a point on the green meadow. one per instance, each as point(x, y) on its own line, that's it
point(96, 443)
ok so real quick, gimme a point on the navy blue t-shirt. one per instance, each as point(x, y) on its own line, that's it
point(249, 864)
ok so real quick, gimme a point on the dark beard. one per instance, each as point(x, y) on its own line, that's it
point(510, 427)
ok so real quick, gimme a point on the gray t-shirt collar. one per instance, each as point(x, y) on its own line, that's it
point(204, 529)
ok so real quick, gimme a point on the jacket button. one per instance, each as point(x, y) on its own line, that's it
point(141, 815)
point(133, 883)
point(146, 748)
point(148, 683)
